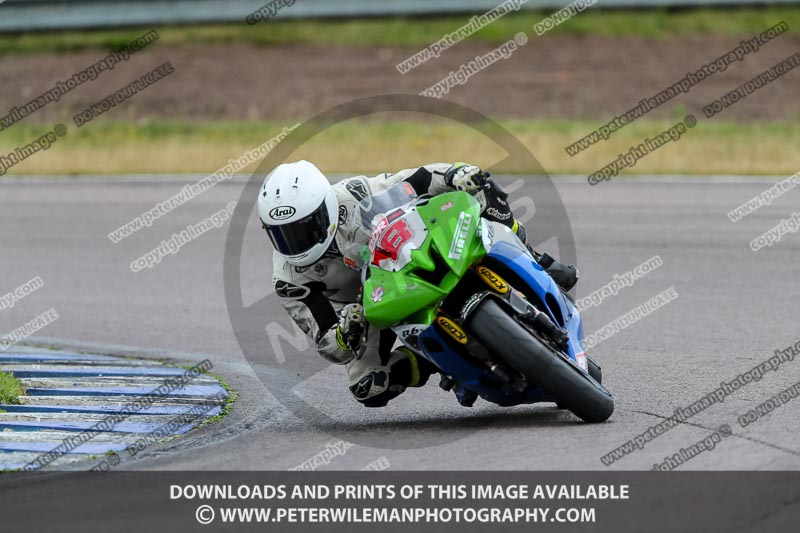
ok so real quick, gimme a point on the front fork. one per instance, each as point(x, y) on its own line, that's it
point(524, 311)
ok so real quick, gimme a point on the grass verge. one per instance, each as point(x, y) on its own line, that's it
point(380, 145)
point(10, 389)
point(421, 31)
point(227, 406)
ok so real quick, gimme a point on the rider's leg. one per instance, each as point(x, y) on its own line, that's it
point(374, 380)
point(566, 276)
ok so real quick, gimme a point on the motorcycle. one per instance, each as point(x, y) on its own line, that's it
point(466, 294)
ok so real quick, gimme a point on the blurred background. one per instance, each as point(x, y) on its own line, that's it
point(245, 70)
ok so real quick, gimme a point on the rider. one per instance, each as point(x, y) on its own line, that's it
point(310, 222)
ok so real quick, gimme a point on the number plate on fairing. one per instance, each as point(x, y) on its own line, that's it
point(393, 238)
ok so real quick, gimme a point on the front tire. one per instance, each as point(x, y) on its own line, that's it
point(567, 384)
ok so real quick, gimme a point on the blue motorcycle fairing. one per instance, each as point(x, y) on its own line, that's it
point(522, 264)
point(471, 376)
point(477, 377)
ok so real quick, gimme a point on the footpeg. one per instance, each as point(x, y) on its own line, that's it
point(466, 397)
point(446, 383)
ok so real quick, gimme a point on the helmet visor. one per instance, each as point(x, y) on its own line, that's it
point(299, 237)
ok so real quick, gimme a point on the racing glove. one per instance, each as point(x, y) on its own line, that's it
point(493, 199)
point(464, 177)
point(374, 383)
point(352, 324)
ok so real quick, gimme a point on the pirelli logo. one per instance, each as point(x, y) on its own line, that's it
point(461, 236)
point(493, 280)
point(452, 329)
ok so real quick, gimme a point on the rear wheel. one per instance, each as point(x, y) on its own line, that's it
point(540, 364)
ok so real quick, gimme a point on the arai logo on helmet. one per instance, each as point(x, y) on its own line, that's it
point(282, 212)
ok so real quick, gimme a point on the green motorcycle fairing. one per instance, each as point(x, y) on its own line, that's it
point(418, 257)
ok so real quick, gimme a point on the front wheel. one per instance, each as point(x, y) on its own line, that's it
point(567, 384)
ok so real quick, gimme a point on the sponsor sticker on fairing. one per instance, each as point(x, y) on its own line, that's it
point(404, 331)
point(377, 232)
point(581, 360)
point(493, 280)
point(461, 235)
point(452, 329)
point(377, 294)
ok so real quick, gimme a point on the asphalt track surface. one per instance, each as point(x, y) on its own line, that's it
point(735, 308)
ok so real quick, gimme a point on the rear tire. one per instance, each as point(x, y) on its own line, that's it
point(567, 384)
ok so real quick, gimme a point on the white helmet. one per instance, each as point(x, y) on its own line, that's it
point(298, 209)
